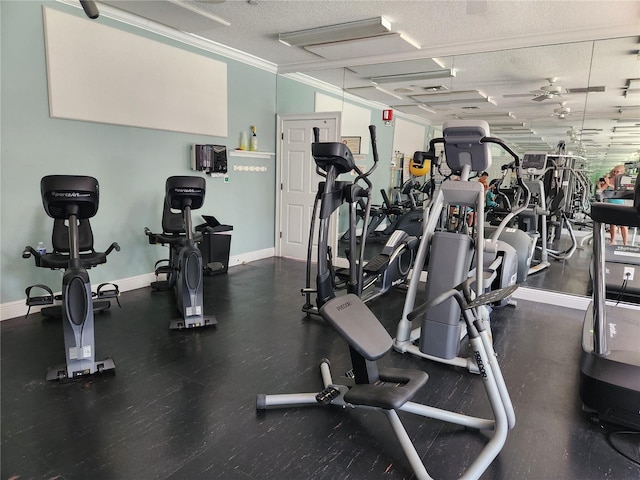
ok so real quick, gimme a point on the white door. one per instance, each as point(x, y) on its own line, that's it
point(299, 180)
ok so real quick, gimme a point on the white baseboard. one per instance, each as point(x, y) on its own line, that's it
point(548, 297)
point(19, 308)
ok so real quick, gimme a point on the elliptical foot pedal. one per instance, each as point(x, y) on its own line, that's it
point(493, 296)
point(377, 264)
point(327, 395)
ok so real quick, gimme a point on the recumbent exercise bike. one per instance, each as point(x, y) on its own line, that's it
point(73, 199)
point(185, 268)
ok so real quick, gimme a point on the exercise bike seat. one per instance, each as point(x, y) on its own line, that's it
point(59, 258)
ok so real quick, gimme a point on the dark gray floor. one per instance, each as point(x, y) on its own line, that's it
point(182, 404)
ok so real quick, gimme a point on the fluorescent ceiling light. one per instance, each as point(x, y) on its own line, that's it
point(513, 132)
point(419, 110)
point(374, 93)
point(492, 115)
point(506, 125)
point(398, 68)
point(414, 77)
point(463, 96)
point(336, 33)
point(388, 43)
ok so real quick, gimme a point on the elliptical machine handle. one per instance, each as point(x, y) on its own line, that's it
point(363, 175)
point(374, 145)
point(316, 134)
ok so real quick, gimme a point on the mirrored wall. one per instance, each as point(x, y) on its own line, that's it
point(583, 96)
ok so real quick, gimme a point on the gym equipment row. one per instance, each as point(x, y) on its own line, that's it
point(71, 201)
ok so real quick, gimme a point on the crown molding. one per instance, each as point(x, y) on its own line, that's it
point(182, 37)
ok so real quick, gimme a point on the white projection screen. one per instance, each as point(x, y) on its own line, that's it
point(97, 73)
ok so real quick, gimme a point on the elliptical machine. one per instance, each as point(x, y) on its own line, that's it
point(185, 193)
point(387, 269)
point(454, 257)
point(73, 199)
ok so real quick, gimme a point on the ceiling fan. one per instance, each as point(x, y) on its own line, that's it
point(543, 93)
point(562, 111)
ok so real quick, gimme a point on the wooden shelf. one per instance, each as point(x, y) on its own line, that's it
point(248, 153)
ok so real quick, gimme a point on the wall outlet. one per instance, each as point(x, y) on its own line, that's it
point(628, 273)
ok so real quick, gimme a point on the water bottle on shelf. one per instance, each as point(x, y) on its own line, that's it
point(42, 250)
point(254, 139)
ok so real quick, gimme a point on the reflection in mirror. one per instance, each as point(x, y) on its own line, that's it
point(578, 100)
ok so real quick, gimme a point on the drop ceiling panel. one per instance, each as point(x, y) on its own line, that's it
point(362, 47)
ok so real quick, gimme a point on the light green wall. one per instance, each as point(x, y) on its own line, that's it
point(131, 164)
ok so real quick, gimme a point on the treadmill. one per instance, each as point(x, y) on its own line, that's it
point(610, 359)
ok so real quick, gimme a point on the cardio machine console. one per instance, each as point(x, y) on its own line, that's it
point(335, 154)
point(534, 163)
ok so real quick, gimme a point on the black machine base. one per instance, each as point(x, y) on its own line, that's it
point(60, 373)
point(610, 384)
point(180, 324)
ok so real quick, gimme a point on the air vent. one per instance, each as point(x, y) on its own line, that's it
point(601, 88)
point(435, 88)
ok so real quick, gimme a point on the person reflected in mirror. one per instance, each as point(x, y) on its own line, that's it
point(490, 197)
point(612, 182)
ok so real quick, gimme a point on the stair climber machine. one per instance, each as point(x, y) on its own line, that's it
point(610, 360)
point(453, 257)
point(389, 268)
point(185, 278)
point(533, 219)
point(73, 199)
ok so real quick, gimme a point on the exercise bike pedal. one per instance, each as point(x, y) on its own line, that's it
point(327, 395)
point(39, 300)
point(103, 293)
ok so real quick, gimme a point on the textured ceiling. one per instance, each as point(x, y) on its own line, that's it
point(527, 43)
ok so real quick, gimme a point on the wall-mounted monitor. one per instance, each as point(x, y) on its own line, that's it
point(209, 158)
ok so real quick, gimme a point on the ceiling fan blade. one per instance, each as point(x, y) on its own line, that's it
point(540, 98)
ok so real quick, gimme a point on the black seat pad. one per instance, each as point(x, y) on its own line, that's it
point(395, 388)
point(61, 260)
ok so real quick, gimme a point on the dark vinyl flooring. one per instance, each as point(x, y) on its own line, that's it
point(181, 405)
